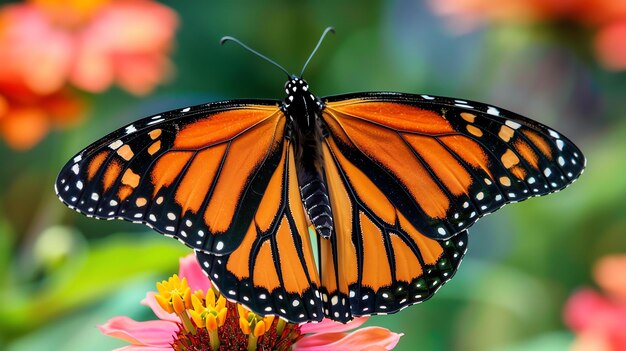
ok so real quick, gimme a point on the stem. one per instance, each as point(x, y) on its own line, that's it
point(214, 340)
point(252, 342)
point(187, 323)
point(280, 326)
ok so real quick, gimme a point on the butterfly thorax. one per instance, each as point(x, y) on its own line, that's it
point(303, 111)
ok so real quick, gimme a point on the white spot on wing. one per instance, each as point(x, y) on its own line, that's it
point(156, 121)
point(512, 124)
point(560, 144)
point(116, 144)
point(554, 134)
point(493, 111)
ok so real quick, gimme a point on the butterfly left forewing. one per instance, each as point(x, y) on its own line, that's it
point(195, 174)
point(376, 262)
point(273, 270)
point(444, 163)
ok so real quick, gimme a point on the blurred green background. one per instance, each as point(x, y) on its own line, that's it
point(61, 274)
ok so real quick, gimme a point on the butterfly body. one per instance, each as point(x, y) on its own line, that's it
point(304, 127)
point(390, 181)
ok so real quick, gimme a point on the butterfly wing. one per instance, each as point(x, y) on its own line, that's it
point(273, 270)
point(197, 174)
point(376, 262)
point(444, 163)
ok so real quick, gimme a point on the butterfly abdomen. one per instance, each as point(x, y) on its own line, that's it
point(316, 202)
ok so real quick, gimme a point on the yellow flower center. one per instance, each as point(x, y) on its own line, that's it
point(174, 295)
point(210, 314)
point(252, 323)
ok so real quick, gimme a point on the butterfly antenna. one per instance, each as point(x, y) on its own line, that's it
point(228, 38)
point(326, 31)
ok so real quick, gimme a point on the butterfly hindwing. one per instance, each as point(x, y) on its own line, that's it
point(444, 163)
point(196, 174)
point(376, 262)
point(273, 270)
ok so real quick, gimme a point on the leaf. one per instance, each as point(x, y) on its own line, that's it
point(108, 265)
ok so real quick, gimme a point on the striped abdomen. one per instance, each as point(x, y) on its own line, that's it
point(316, 202)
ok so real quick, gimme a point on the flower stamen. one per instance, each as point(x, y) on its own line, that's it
point(209, 314)
point(175, 297)
point(253, 325)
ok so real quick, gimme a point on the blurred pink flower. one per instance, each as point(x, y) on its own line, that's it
point(46, 45)
point(127, 43)
point(26, 118)
point(606, 19)
point(610, 45)
point(600, 320)
point(162, 334)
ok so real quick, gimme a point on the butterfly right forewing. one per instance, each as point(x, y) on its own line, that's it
point(445, 163)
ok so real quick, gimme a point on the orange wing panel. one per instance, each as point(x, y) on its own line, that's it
point(387, 148)
point(222, 126)
point(244, 154)
point(195, 185)
point(394, 115)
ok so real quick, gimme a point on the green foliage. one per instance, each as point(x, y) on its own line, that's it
point(85, 276)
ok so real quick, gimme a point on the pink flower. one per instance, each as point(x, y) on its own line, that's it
point(610, 45)
point(127, 43)
point(600, 320)
point(474, 12)
point(605, 19)
point(330, 335)
point(47, 45)
point(25, 118)
point(156, 334)
point(170, 328)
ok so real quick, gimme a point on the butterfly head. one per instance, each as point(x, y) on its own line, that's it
point(296, 86)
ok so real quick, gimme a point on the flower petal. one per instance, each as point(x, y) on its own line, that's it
point(583, 307)
point(151, 302)
point(610, 46)
point(594, 317)
point(149, 333)
point(609, 273)
point(362, 339)
point(143, 348)
point(190, 269)
point(327, 325)
point(592, 340)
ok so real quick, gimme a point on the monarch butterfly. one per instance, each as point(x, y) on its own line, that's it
point(390, 182)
